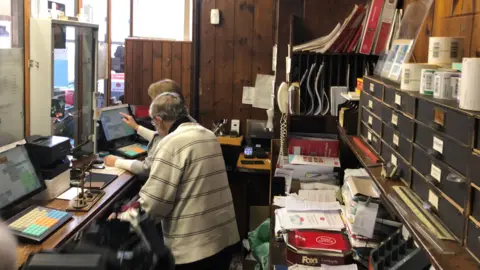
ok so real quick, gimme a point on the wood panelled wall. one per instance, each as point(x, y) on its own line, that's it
point(231, 55)
point(151, 60)
point(450, 18)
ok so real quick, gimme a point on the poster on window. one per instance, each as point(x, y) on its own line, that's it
point(5, 34)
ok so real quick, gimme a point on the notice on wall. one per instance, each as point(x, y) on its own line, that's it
point(264, 91)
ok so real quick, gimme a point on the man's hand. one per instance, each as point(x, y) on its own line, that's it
point(128, 119)
point(110, 160)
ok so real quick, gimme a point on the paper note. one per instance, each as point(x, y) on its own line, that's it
point(274, 57)
point(69, 194)
point(365, 218)
point(263, 97)
point(395, 139)
point(294, 203)
point(317, 195)
point(248, 95)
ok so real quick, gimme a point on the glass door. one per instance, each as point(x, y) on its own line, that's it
point(74, 77)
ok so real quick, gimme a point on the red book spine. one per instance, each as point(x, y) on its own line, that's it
point(382, 38)
point(372, 23)
point(355, 39)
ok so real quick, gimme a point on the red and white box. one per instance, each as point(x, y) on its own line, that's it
point(314, 248)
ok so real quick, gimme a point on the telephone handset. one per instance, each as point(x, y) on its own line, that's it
point(282, 97)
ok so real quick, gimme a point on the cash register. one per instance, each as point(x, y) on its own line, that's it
point(19, 181)
point(118, 138)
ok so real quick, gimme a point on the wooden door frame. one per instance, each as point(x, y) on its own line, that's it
point(195, 74)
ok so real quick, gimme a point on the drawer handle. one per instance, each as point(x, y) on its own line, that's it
point(454, 178)
point(432, 180)
point(434, 153)
point(436, 126)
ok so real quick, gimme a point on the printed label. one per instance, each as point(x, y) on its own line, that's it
point(436, 172)
point(433, 199)
point(370, 120)
point(396, 140)
point(398, 99)
point(437, 145)
point(370, 104)
point(393, 159)
point(394, 119)
point(369, 136)
point(371, 87)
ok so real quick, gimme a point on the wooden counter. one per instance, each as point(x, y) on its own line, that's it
point(461, 259)
point(113, 192)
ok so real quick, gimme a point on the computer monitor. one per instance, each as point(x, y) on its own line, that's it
point(112, 123)
point(18, 178)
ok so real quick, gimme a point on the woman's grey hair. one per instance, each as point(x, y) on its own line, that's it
point(169, 106)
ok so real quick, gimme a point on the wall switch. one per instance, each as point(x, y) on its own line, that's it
point(235, 127)
point(215, 16)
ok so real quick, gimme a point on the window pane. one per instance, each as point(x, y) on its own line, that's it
point(73, 82)
point(96, 12)
point(160, 19)
point(120, 31)
point(11, 71)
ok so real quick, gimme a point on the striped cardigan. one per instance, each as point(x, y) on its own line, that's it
point(188, 191)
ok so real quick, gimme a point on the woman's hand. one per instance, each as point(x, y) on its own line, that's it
point(128, 119)
point(110, 160)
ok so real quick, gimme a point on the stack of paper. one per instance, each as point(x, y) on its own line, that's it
point(329, 221)
point(311, 167)
point(295, 204)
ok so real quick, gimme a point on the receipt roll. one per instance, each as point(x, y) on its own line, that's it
point(469, 86)
point(445, 50)
point(412, 74)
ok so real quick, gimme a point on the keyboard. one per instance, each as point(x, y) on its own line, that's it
point(133, 150)
point(36, 223)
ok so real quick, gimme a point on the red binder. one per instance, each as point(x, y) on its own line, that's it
point(372, 25)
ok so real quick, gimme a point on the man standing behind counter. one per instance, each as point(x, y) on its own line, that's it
point(138, 167)
point(188, 189)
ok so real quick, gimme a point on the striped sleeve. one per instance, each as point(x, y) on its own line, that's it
point(158, 194)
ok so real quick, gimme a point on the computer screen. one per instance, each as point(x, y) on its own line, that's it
point(113, 125)
point(18, 177)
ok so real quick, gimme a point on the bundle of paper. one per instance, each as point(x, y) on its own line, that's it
point(330, 221)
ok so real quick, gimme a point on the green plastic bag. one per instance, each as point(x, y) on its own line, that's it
point(259, 241)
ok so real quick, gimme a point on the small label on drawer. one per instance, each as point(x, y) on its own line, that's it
point(372, 87)
point(370, 120)
point(393, 159)
point(369, 136)
point(394, 119)
point(433, 199)
point(398, 99)
point(395, 139)
point(437, 145)
point(436, 172)
point(370, 104)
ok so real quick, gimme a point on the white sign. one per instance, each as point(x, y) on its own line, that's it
point(437, 144)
